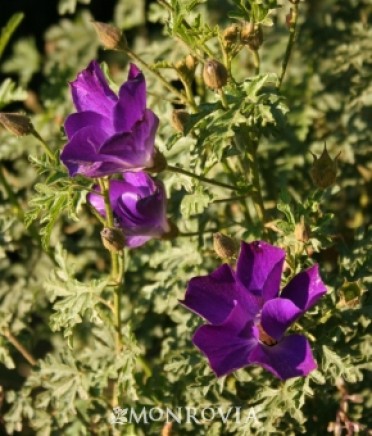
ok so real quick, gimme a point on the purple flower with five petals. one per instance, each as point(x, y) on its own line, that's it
point(247, 316)
point(139, 206)
point(109, 133)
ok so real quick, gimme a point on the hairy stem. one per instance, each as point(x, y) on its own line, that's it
point(25, 353)
point(46, 147)
point(201, 178)
point(256, 61)
point(117, 275)
point(291, 40)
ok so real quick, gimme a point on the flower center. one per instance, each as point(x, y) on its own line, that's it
point(264, 337)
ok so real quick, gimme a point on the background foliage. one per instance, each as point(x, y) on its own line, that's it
point(54, 269)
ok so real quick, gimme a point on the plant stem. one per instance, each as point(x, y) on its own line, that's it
point(201, 178)
point(46, 147)
point(291, 40)
point(25, 353)
point(256, 61)
point(224, 102)
point(117, 275)
point(256, 194)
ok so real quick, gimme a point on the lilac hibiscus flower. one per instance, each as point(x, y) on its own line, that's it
point(109, 133)
point(248, 317)
point(139, 207)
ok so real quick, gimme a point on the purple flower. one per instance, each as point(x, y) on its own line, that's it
point(248, 318)
point(109, 133)
point(139, 207)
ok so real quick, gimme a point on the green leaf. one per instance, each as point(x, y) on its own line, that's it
point(9, 29)
point(10, 92)
point(193, 204)
point(69, 6)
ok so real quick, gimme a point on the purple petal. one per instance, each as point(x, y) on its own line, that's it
point(133, 150)
point(79, 120)
point(227, 346)
point(90, 91)
point(291, 357)
point(277, 315)
point(212, 296)
point(259, 268)
point(80, 153)
point(131, 105)
point(305, 289)
point(136, 241)
point(116, 189)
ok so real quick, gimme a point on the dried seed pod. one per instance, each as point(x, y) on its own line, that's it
point(230, 35)
point(113, 239)
point(214, 74)
point(251, 35)
point(191, 63)
point(179, 119)
point(302, 231)
point(18, 124)
point(110, 36)
point(224, 246)
point(324, 169)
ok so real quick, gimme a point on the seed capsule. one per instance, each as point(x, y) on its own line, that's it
point(179, 119)
point(18, 124)
point(251, 35)
point(324, 169)
point(224, 246)
point(113, 239)
point(230, 35)
point(214, 74)
point(110, 36)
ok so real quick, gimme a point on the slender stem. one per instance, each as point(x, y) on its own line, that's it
point(291, 40)
point(227, 200)
point(189, 94)
point(256, 195)
point(256, 61)
point(224, 102)
point(46, 147)
point(25, 353)
point(201, 178)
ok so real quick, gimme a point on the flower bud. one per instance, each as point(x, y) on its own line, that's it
point(230, 35)
point(18, 124)
point(191, 63)
point(110, 36)
point(302, 231)
point(251, 35)
point(214, 74)
point(179, 119)
point(113, 239)
point(224, 246)
point(324, 169)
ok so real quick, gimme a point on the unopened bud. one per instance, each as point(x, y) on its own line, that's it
point(251, 35)
point(191, 63)
point(230, 35)
point(214, 74)
point(18, 124)
point(224, 246)
point(324, 169)
point(180, 117)
point(159, 164)
point(110, 36)
point(113, 239)
point(302, 231)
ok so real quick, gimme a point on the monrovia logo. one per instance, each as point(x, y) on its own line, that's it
point(180, 415)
